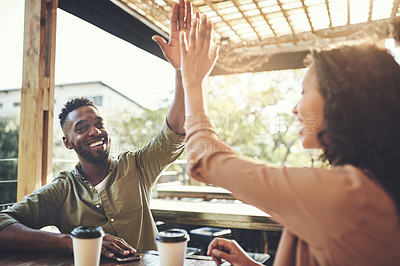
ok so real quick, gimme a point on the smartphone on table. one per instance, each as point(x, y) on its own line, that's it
point(125, 258)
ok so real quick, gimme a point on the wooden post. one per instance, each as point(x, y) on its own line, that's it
point(35, 150)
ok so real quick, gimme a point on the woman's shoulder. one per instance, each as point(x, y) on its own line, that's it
point(363, 196)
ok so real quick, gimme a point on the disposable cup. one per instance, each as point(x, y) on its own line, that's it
point(87, 242)
point(171, 246)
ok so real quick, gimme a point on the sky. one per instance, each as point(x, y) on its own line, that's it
point(86, 53)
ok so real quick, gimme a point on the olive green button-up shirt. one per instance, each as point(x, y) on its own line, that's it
point(121, 206)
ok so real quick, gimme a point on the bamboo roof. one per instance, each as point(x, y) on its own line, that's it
point(251, 32)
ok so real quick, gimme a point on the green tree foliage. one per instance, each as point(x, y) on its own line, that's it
point(8, 150)
point(253, 114)
point(132, 131)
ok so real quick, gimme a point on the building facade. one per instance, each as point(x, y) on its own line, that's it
point(107, 99)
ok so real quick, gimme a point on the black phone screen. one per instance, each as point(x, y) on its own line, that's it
point(130, 257)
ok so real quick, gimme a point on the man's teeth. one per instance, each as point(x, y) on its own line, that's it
point(100, 142)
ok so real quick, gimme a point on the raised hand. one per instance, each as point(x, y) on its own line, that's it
point(229, 250)
point(113, 245)
point(197, 59)
point(181, 21)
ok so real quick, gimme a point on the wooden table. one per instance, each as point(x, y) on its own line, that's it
point(183, 191)
point(228, 215)
point(66, 258)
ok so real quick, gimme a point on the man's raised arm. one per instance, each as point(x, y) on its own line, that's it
point(181, 20)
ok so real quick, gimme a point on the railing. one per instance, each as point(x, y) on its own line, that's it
point(5, 206)
point(8, 160)
point(179, 174)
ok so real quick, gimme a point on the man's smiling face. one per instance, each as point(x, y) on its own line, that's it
point(85, 132)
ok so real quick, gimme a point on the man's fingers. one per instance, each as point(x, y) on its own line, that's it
point(106, 253)
point(181, 19)
point(160, 41)
point(110, 249)
point(174, 18)
point(114, 243)
point(188, 21)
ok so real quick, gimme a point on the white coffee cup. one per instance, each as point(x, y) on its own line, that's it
point(171, 246)
point(87, 242)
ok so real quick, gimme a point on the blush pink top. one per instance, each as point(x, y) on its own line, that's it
point(335, 216)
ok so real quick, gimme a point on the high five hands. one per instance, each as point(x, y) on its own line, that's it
point(181, 21)
point(192, 52)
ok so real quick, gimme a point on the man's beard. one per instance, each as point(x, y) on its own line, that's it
point(88, 156)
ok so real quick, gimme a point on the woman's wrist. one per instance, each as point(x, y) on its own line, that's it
point(194, 101)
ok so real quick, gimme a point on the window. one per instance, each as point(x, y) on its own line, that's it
point(1, 105)
point(17, 104)
point(98, 100)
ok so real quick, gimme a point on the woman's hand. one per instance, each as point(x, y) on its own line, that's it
point(197, 60)
point(114, 245)
point(229, 250)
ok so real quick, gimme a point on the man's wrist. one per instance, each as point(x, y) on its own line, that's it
point(178, 73)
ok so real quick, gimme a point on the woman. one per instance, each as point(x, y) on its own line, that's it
point(350, 108)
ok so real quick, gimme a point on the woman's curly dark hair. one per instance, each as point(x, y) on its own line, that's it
point(361, 88)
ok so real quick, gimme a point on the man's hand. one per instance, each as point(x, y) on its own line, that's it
point(181, 20)
point(114, 245)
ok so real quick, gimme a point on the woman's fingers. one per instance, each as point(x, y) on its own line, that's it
point(207, 35)
point(201, 40)
point(193, 33)
point(221, 255)
point(183, 43)
point(214, 55)
point(217, 260)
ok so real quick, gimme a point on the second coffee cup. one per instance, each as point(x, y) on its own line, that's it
point(87, 242)
point(171, 246)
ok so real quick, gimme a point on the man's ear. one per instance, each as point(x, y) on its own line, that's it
point(67, 143)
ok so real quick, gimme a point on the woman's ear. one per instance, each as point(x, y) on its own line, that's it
point(67, 143)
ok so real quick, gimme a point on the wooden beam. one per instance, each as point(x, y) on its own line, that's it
point(281, 61)
point(37, 96)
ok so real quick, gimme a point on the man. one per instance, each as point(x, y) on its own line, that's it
point(101, 191)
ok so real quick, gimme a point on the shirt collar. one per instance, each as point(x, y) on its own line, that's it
point(76, 172)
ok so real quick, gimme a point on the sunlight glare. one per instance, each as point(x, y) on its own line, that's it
point(358, 11)
point(382, 10)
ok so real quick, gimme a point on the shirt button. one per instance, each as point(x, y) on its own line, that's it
point(112, 220)
point(98, 206)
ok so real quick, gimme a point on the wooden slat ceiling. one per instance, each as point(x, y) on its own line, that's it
point(252, 32)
